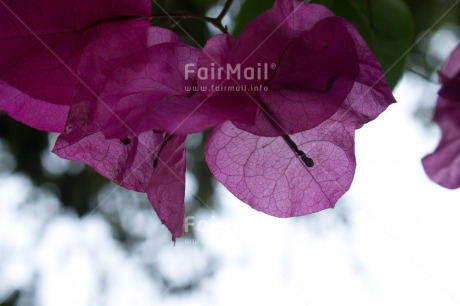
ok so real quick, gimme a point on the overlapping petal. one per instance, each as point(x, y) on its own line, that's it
point(443, 165)
point(42, 43)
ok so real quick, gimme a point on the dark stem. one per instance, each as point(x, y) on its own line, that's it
point(307, 161)
point(217, 21)
point(412, 70)
point(225, 10)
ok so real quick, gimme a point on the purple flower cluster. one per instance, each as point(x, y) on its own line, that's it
point(118, 91)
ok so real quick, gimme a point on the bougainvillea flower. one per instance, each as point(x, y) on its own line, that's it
point(308, 171)
point(147, 161)
point(443, 165)
point(42, 42)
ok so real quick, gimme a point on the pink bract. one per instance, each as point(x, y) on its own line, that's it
point(327, 84)
point(443, 165)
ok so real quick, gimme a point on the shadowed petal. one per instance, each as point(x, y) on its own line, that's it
point(443, 165)
point(42, 42)
point(167, 185)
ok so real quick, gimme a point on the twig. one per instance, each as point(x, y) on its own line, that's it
point(216, 22)
point(307, 161)
point(225, 10)
point(412, 70)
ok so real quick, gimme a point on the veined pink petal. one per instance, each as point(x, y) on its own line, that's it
point(41, 115)
point(267, 174)
point(371, 95)
point(127, 162)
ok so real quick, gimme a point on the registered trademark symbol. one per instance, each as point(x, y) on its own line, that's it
point(273, 66)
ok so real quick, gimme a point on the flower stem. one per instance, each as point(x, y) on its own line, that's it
point(307, 161)
point(225, 10)
point(215, 21)
point(166, 138)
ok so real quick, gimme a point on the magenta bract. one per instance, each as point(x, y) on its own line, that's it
point(326, 85)
point(443, 165)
